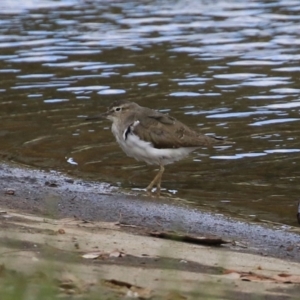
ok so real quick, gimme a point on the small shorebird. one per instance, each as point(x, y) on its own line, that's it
point(153, 137)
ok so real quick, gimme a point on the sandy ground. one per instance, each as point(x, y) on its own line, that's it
point(106, 248)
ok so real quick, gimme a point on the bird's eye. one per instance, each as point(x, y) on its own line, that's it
point(117, 108)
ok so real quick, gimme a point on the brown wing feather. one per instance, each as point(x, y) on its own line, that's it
point(164, 131)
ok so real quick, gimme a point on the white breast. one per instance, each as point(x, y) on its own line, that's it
point(134, 147)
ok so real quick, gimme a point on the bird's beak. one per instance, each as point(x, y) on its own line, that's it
point(97, 117)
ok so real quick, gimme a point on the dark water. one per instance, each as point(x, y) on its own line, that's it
point(230, 68)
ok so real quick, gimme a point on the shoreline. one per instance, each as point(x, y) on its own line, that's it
point(56, 195)
point(50, 222)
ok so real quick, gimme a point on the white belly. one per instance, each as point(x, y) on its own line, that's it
point(134, 147)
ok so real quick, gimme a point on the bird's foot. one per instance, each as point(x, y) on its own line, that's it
point(155, 193)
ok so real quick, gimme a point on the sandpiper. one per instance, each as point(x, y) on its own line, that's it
point(153, 137)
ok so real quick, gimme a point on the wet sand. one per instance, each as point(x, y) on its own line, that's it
point(55, 195)
point(34, 203)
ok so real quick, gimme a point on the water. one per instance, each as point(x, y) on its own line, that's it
point(230, 68)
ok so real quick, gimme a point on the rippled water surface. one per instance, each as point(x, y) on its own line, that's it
point(229, 68)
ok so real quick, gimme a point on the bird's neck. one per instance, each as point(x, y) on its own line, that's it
point(118, 128)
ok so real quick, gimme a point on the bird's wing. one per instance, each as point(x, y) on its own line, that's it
point(164, 131)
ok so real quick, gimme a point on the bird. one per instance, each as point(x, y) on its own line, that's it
point(153, 137)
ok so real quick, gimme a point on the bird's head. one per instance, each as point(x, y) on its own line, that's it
point(118, 111)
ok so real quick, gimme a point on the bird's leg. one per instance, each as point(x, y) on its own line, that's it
point(161, 171)
point(156, 181)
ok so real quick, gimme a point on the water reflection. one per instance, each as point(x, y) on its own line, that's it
point(228, 68)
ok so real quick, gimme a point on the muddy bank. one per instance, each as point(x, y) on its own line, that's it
point(88, 259)
point(54, 195)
